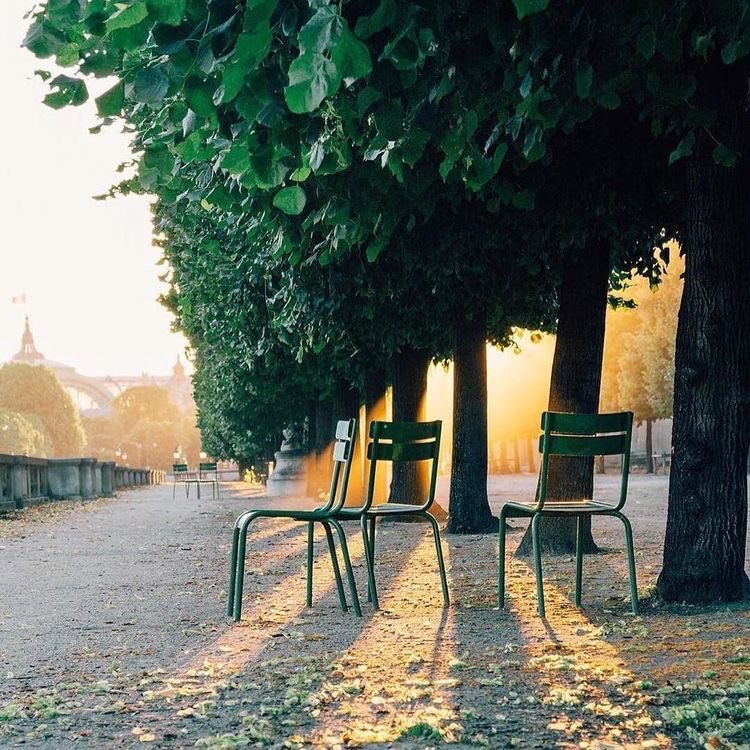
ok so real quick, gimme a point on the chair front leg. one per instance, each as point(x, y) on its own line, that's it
point(232, 571)
point(579, 559)
point(631, 561)
point(369, 545)
point(501, 559)
point(242, 526)
point(310, 541)
point(439, 550)
point(348, 565)
point(537, 550)
point(335, 564)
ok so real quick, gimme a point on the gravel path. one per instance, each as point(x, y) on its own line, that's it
point(112, 634)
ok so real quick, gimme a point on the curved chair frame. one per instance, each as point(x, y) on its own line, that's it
point(565, 434)
point(398, 441)
point(343, 453)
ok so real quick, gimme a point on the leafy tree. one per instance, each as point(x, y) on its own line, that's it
point(144, 403)
point(34, 390)
point(23, 435)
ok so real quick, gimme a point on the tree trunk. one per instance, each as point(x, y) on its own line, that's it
point(375, 386)
point(469, 508)
point(319, 458)
point(346, 403)
point(574, 387)
point(649, 446)
point(409, 389)
point(531, 453)
point(502, 464)
point(516, 457)
point(704, 548)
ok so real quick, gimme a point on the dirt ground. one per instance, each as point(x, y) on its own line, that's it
point(112, 634)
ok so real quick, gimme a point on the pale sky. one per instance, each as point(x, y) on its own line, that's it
point(88, 268)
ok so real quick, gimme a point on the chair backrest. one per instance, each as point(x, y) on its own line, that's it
point(404, 441)
point(179, 469)
point(208, 467)
point(587, 435)
point(343, 455)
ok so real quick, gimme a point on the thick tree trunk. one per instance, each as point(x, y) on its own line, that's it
point(469, 508)
point(346, 403)
point(574, 387)
point(375, 387)
point(531, 454)
point(649, 446)
point(319, 458)
point(516, 457)
point(409, 390)
point(704, 548)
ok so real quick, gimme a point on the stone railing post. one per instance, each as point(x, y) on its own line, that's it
point(64, 476)
point(19, 481)
point(107, 478)
point(85, 467)
point(97, 477)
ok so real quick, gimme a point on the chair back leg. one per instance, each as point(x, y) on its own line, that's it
point(579, 558)
point(335, 564)
point(537, 550)
point(441, 562)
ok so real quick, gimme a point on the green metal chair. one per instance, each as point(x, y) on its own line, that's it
point(208, 473)
point(398, 441)
point(343, 453)
point(181, 475)
point(574, 435)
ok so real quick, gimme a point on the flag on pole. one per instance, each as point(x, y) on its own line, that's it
point(19, 299)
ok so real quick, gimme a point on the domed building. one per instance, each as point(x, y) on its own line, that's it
point(94, 395)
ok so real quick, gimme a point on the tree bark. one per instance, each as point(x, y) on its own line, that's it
point(704, 548)
point(469, 509)
point(408, 485)
point(346, 403)
point(531, 452)
point(375, 386)
point(649, 446)
point(319, 458)
point(574, 387)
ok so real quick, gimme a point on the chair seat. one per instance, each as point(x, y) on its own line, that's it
point(562, 507)
point(387, 509)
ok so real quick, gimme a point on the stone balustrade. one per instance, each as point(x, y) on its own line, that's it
point(25, 480)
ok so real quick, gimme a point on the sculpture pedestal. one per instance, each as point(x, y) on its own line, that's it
point(289, 478)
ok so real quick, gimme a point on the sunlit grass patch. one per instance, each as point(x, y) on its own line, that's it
point(719, 718)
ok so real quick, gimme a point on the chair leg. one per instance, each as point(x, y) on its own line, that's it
point(348, 566)
point(232, 570)
point(243, 527)
point(631, 561)
point(174, 489)
point(441, 562)
point(501, 560)
point(369, 544)
point(335, 563)
point(537, 563)
point(579, 559)
point(310, 540)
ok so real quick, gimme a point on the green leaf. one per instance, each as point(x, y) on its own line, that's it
point(736, 49)
point(529, 7)
point(231, 83)
point(109, 104)
point(128, 16)
point(170, 12)
point(609, 99)
point(724, 156)
point(42, 40)
point(646, 43)
point(352, 58)
point(69, 91)
point(584, 79)
point(68, 55)
point(291, 200)
point(383, 16)
point(312, 77)
point(322, 31)
point(151, 85)
point(199, 97)
point(684, 148)
point(237, 160)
